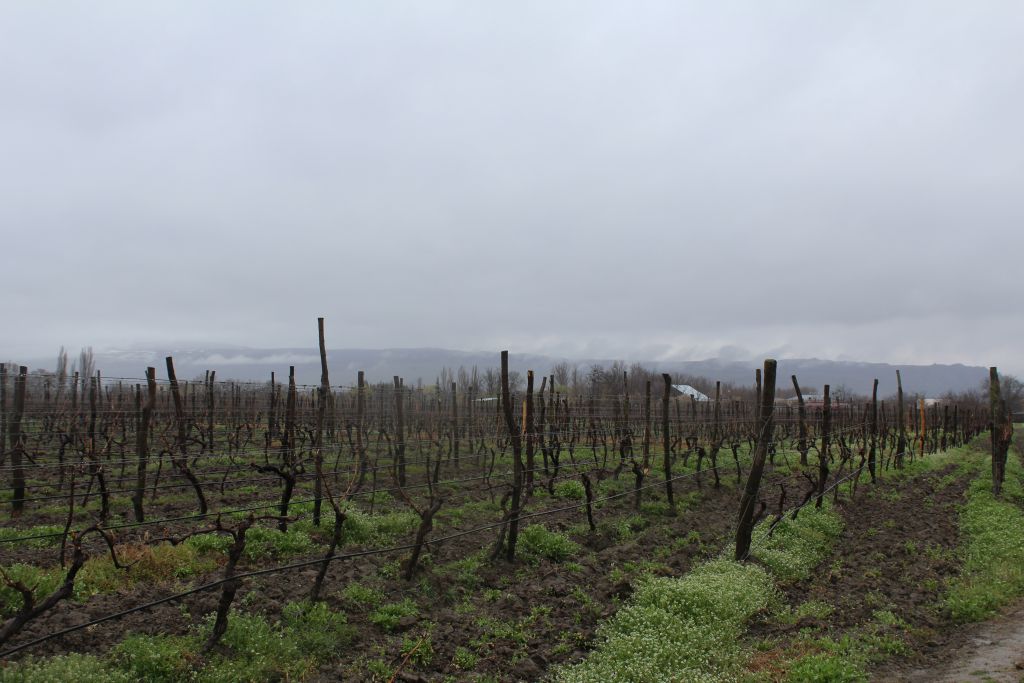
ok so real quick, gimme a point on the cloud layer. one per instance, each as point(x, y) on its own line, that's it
point(813, 179)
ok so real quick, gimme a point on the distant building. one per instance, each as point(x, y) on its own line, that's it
point(810, 398)
point(687, 390)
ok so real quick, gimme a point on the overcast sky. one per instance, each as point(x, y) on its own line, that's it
point(629, 179)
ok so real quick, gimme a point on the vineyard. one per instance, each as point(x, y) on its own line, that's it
point(162, 530)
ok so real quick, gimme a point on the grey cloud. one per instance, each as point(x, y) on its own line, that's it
point(826, 179)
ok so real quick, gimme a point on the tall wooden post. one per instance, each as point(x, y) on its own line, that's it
point(765, 413)
point(455, 425)
point(647, 424)
point(924, 426)
point(1001, 431)
point(517, 460)
point(823, 456)
point(528, 429)
point(142, 444)
point(666, 442)
point(3, 413)
point(360, 414)
point(210, 406)
point(801, 445)
point(180, 460)
point(399, 430)
point(901, 440)
point(18, 444)
point(321, 417)
point(872, 450)
point(716, 426)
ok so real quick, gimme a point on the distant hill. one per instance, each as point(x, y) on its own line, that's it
point(425, 364)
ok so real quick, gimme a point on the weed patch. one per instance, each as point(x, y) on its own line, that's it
point(536, 541)
point(690, 628)
point(993, 528)
point(254, 649)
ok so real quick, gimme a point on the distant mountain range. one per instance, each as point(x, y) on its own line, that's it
point(424, 364)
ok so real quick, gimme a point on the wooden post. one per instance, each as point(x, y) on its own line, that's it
point(801, 445)
point(288, 437)
point(95, 468)
point(321, 417)
point(3, 413)
point(666, 442)
point(142, 443)
point(874, 432)
point(210, 405)
point(181, 446)
point(538, 429)
point(943, 442)
point(716, 426)
point(455, 426)
point(901, 441)
point(528, 430)
point(399, 430)
point(745, 527)
point(823, 456)
point(18, 444)
point(647, 424)
point(553, 443)
point(360, 414)
point(999, 434)
point(924, 428)
point(517, 462)
point(626, 444)
point(271, 415)
point(468, 401)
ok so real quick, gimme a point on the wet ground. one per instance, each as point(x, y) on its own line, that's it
point(991, 651)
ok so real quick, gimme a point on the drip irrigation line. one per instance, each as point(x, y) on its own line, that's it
point(244, 459)
point(805, 503)
point(232, 482)
point(583, 463)
point(163, 487)
point(334, 446)
point(254, 456)
point(249, 480)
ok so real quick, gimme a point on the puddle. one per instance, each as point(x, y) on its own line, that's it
point(994, 651)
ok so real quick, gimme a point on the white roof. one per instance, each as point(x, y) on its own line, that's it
point(687, 390)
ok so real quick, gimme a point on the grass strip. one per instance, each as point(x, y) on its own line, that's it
point(993, 549)
point(992, 532)
point(689, 628)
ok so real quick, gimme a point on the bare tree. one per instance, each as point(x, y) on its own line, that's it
point(62, 371)
point(86, 363)
point(1012, 391)
point(491, 382)
point(563, 373)
point(515, 381)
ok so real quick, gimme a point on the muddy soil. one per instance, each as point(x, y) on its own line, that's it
point(992, 651)
point(574, 601)
point(896, 552)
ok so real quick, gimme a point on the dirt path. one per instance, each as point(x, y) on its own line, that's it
point(990, 651)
